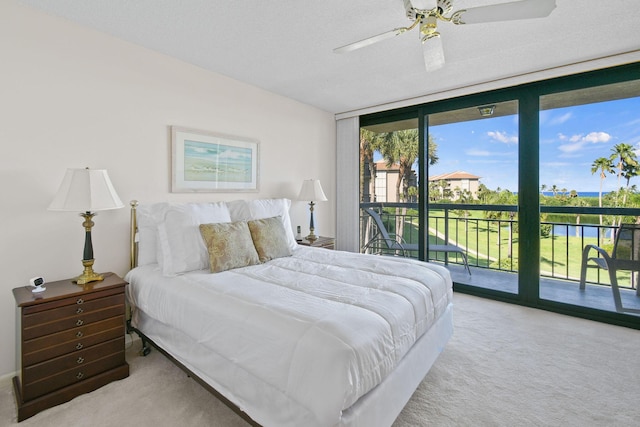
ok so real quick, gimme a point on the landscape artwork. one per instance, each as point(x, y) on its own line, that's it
point(204, 161)
point(216, 162)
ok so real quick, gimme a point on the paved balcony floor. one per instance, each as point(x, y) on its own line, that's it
point(564, 291)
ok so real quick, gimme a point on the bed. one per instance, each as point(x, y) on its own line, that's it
point(287, 335)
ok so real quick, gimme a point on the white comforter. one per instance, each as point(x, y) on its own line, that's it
point(317, 330)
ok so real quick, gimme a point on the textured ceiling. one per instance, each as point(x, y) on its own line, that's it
point(286, 46)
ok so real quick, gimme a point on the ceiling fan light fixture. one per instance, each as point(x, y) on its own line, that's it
point(432, 51)
point(429, 27)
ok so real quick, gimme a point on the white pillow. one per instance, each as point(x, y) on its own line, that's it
point(239, 210)
point(181, 246)
point(247, 210)
point(148, 217)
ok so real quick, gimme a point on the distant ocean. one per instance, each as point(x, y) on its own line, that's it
point(580, 193)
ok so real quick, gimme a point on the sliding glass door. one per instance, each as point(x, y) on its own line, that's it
point(468, 213)
point(589, 177)
point(473, 192)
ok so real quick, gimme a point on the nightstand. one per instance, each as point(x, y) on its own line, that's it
point(320, 242)
point(70, 341)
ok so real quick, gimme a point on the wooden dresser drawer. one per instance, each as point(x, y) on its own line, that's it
point(73, 322)
point(71, 376)
point(78, 299)
point(76, 359)
point(76, 307)
point(50, 346)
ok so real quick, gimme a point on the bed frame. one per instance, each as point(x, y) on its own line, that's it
point(419, 359)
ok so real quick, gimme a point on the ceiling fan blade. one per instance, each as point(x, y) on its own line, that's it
point(524, 9)
point(369, 41)
point(423, 4)
point(433, 53)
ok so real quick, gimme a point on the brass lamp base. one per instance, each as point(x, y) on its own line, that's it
point(88, 275)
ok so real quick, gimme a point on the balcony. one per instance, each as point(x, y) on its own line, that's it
point(489, 236)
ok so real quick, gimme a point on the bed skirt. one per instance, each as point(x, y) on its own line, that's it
point(378, 408)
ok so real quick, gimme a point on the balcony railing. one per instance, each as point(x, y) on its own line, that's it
point(489, 236)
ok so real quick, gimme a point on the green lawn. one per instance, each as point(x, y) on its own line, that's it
point(487, 245)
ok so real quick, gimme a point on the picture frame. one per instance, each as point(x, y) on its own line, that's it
point(213, 162)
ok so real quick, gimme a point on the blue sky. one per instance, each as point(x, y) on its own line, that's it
point(570, 140)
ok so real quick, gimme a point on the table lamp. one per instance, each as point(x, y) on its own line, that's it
point(311, 190)
point(86, 191)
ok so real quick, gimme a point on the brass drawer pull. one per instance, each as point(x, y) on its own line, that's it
point(79, 310)
point(80, 301)
point(79, 334)
point(80, 375)
point(79, 346)
point(80, 360)
point(80, 322)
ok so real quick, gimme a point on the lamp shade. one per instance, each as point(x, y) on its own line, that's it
point(86, 190)
point(312, 190)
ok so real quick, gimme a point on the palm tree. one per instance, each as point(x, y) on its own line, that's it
point(603, 165)
point(625, 156)
point(626, 165)
point(578, 202)
point(401, 147)
point(629, 171)
point(398, 147)
point(369, 142)
point(445, 191)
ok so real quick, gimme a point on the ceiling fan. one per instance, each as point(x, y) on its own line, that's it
point(425, 14)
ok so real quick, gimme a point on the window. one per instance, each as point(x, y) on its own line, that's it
point(520, 170)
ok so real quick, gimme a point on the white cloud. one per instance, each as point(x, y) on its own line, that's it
point(503, 137)
point(490, 161)
point(555, 164)
point(596, 137)
point(479, 153)
point(570, 148)
point(561, 119)
point(578, 141)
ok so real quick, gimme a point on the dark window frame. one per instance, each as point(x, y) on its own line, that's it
point(528, 96)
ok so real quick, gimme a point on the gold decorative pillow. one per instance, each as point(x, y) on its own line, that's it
point(269, 238)
point(229, 245)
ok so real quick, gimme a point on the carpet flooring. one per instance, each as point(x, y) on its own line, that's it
point(505, 366)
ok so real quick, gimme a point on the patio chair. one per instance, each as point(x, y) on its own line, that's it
point(393, 243)
point(625, 256)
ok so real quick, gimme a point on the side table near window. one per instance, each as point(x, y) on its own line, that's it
point(320, 242)
point(70, 341)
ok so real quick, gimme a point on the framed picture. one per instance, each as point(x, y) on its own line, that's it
point(208, 162)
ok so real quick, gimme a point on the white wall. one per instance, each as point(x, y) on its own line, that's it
point(73, 97)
